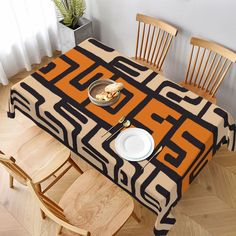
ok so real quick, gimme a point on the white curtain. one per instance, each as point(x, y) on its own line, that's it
point(28, 31)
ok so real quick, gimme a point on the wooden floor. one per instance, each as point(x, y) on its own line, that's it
point(207, 208)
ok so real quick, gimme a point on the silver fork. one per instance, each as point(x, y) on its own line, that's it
point(125, 124)
point(120, 121)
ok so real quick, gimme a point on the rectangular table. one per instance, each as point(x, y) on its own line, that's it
point(189, 128)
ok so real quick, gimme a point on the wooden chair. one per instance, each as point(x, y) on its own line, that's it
point(154, 38)
point(92, 205)
point(32, 154)
point(208, 65)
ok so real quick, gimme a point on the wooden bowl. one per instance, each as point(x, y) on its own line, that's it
point(97, 87)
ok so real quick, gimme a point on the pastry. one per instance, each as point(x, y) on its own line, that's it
point(103, 97)
point(111, 91)
point(113, 88)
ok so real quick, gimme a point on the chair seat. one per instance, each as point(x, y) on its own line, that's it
point(37, 153)
point(41, 156)
point(96, 204)
point(198, 91)
point(145, 63)
point(13, 134)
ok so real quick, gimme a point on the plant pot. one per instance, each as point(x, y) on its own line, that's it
point(69, 38)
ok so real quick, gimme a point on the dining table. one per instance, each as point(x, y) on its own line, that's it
point(188, 129)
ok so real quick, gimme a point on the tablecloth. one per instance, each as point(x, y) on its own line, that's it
point(189, 128)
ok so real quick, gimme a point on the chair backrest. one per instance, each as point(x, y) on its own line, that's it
point(154, 38)
point(54, 211)
point(13, 168)
point(208, 65)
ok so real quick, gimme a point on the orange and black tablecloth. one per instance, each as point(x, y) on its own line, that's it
point(189, 128)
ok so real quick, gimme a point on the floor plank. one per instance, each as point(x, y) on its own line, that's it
point(9, 226)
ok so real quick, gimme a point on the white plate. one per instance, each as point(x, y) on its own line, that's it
point(134, 144)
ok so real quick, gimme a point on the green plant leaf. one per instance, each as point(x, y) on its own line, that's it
point(71, 10)
point(79, 8)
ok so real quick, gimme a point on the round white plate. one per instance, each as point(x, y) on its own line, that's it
point(134, 144)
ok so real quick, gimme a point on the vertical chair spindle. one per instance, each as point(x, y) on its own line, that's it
point(155, 43)
point(207, 72)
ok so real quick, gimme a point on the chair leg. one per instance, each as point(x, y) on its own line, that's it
point(39, 189)
point(11, 181)
point(59, 230)
point(134, 215)
point(75, 166)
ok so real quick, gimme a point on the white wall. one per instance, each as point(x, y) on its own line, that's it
point(115, 25)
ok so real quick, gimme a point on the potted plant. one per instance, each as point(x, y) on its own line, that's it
point(73, 28)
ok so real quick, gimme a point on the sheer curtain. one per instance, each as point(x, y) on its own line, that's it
point(28, 31)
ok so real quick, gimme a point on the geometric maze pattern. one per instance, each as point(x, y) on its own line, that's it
point(189, 128)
